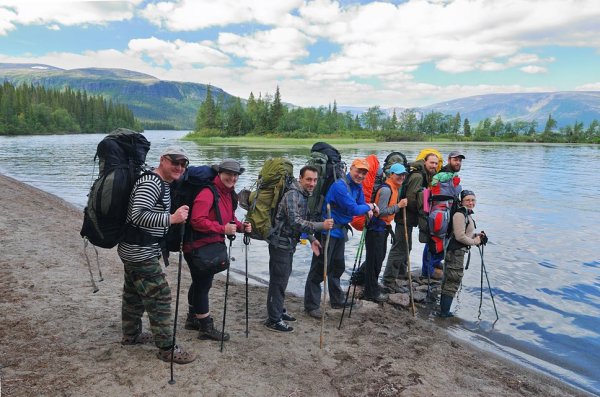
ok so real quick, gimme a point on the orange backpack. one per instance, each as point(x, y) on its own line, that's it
point(358, 222)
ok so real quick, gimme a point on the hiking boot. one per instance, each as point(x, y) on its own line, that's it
point(285, 316)
point(316, 313)
point(180, 356)
point(207, 330)
point(381, 297)
point(278, 326)
point(138, 339)
point(192, 322)
point(392, 288)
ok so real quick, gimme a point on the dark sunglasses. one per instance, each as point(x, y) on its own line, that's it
point(182, 163)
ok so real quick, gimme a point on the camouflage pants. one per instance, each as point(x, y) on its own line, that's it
point(453, 272)
point(146, 289)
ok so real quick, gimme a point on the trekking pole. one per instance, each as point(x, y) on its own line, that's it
point(172, 381)
point(356, 260)
point(410, 287)
point(325, 277)
point(230, 237)
point(483, 269)
point(247, 243)
point(354, 288)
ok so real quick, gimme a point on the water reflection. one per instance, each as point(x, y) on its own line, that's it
point(535, 202)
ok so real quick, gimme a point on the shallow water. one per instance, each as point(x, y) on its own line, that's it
point(537, 203)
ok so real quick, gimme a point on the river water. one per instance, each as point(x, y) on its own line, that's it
point(537, 203)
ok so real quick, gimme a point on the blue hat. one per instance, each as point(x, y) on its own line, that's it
point(398, 169)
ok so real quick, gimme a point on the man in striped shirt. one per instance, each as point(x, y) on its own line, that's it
point(145, 287)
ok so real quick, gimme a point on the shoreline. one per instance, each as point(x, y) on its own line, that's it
point(59, 338)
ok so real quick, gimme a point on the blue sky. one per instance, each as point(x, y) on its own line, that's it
point(359, 53)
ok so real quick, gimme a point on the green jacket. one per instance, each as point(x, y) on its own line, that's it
point(417, 180)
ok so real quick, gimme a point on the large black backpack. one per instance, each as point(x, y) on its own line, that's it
point(184, 192)
point(122, 155)
point(328, 161)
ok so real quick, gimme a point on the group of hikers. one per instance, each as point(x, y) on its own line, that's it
point(211, 220)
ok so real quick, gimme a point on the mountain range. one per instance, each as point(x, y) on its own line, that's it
point(151, 100)
point(176, 103)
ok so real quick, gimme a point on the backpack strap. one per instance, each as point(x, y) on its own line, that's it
point(194, 234)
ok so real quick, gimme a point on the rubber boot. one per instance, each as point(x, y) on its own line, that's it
point(207, 330)
point(445, 303)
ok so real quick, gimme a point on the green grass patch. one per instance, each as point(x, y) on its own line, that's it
point(257, 141)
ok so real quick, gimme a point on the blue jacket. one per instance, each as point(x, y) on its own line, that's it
point(347, 201)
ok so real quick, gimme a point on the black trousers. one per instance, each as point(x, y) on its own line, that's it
point(199, 289)
point(335, 268)
point(376, 247)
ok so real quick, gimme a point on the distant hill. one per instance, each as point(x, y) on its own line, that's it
point(150, 99)
point(566, 107)
point(176, 103)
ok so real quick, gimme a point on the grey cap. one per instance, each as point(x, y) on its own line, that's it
point(466, 193)
point(456, 153)
point(230, 165)
point(176, 153)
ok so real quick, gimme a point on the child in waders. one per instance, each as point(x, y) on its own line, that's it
point(463, 237)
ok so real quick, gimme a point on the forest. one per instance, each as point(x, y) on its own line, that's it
point(28, 109)
point(269, 116)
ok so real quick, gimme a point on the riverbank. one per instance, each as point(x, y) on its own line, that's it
point(58, 338)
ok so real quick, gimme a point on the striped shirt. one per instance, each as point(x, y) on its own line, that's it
point(147, 212)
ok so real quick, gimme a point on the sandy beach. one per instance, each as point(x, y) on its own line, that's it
point(60, 339)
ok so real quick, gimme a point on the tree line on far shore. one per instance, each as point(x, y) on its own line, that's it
point(267, 115)
point(28, 109)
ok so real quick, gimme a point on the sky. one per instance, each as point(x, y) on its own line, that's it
point(357, 53)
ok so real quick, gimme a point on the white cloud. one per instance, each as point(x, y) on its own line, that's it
point(200, 14)
point(177, 53)
point(533, 69)
point(275, 48)
point(63, 12)
point(7, 16)
point(53, 27)
point(589, 87)
point(380, 44)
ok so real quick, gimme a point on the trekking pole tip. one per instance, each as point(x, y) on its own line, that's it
point(172, 382)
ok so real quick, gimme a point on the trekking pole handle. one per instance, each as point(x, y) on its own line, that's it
point(231, 237)
point(246, 235)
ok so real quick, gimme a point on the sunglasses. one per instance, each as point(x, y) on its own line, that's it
point(182, 163)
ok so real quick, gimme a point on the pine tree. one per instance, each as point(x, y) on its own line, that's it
point(207, 114)
point(466, 127)
point(550, 125)
point(275, 111)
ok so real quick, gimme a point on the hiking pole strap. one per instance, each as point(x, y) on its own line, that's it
point(89, 265)
point(468, 259)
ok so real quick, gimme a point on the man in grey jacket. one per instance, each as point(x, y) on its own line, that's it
point(290, 222)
